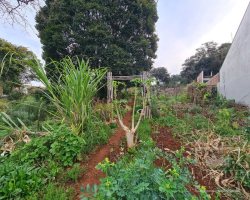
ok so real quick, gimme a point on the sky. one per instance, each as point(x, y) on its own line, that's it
point(182, 27)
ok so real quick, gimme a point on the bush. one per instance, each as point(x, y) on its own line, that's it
point(60, 145)
point(74, 173)
point(97, 132)
point(18, 180)
point(30, 167)
point(223, 125)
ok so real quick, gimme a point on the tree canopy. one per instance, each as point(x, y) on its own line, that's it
point(161, 74)
point(118, 34)
point(208, 58)
point(16, 61)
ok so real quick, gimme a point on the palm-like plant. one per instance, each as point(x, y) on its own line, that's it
point(74, 92)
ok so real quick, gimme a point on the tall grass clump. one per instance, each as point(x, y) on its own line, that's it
point(73, 94)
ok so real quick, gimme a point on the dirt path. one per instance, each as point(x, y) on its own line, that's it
point(110, 150)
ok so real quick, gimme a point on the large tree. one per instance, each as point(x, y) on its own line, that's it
point(118, 34)
point(208, 58)
point(161, 74)
point(15, 64)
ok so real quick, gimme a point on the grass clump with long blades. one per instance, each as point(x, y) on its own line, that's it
point(73, 94)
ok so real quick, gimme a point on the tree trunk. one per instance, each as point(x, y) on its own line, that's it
point(130, 139)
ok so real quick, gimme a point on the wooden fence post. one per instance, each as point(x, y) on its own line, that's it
point(146, 94)
point(109, 87)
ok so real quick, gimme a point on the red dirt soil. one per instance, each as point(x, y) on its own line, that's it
point(165, 141)
point(110, 150)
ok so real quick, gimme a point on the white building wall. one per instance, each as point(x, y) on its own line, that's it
point(235, 71)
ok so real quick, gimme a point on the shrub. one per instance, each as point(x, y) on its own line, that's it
point(223, 125)
point(74, 173)
point(97, 132)
point(18, 180)
point(155, 111)
point(30, 167)
point(60, 145)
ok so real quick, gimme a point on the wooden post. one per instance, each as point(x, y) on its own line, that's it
point(145, 90)
point(109, 87)
point(146, 94)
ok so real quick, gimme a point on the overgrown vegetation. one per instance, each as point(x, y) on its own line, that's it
point(136, 177)
point(217, 132)
point(37, 145)
point(46, 136)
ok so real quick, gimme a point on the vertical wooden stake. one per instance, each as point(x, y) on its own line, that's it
point(109, 87)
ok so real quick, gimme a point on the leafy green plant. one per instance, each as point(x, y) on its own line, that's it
point(74, 173)
point(155, 108)
point(238, 165)
point(31, 166)
point(138, 178)
point(144, 130)
point(18, 180)
point(60, 144)
point(223, 125)
point(74, 92)
point(97, 132)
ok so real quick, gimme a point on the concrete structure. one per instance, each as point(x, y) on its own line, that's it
point(201, 78)
point(235, 71)
point(214, 80)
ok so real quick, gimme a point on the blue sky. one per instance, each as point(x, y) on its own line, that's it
point(182, 27)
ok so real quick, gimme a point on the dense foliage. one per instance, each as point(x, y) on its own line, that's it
point(137, 177)
point(16, 62)
point(115, 34)
point(31, 166)
point(208, 58)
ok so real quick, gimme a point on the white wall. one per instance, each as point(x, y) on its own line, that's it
point(235, 71)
